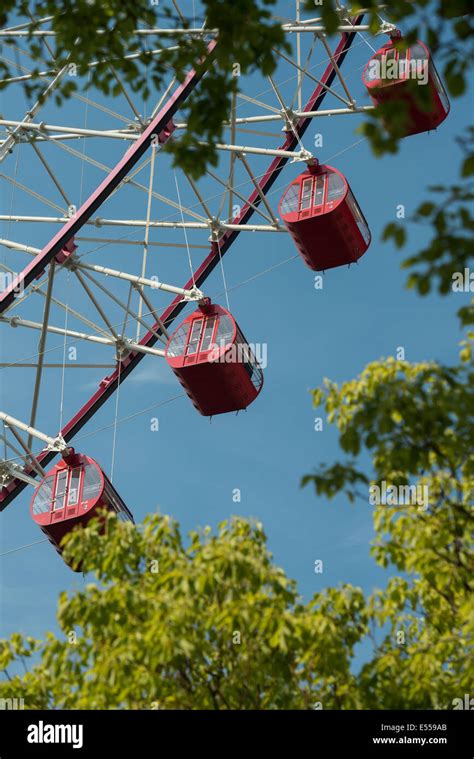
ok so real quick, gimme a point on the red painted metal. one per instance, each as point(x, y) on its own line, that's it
point(70, 495)
point(392, 75)
point(324, 218)
point(108, 386)
point(213, 361)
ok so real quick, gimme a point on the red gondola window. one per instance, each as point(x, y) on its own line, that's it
point(439, 86)
point(114, 502)
point(92, 483)
point(316, 194)
point(203, 336)
point(193, 343)
point(250, 362)
point(178, 343)
point(290, 201)
point(44, 496)
point(306, 194)
point(225, 331)
point(319, 191)
point(374, 68)
point(74, 485)
point(418, 63)
point(61, 489)
point(389, 66)
point(359, 217)
point(397, 64)
point(336, 188)
point(207, 334)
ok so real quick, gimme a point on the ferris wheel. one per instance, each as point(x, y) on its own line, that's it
point(89, 218)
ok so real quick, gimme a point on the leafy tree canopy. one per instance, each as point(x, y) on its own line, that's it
point(211, 625)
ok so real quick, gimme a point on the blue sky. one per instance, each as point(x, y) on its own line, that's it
point(191, 466)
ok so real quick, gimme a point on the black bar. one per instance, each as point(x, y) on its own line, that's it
point(317, 733)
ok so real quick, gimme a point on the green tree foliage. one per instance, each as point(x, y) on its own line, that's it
point(416, 422)
point(211, 625)
point(450, 249)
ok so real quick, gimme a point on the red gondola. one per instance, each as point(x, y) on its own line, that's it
point(213, 361)
point(390, 77)
point(324, 218)
point(70, 494)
